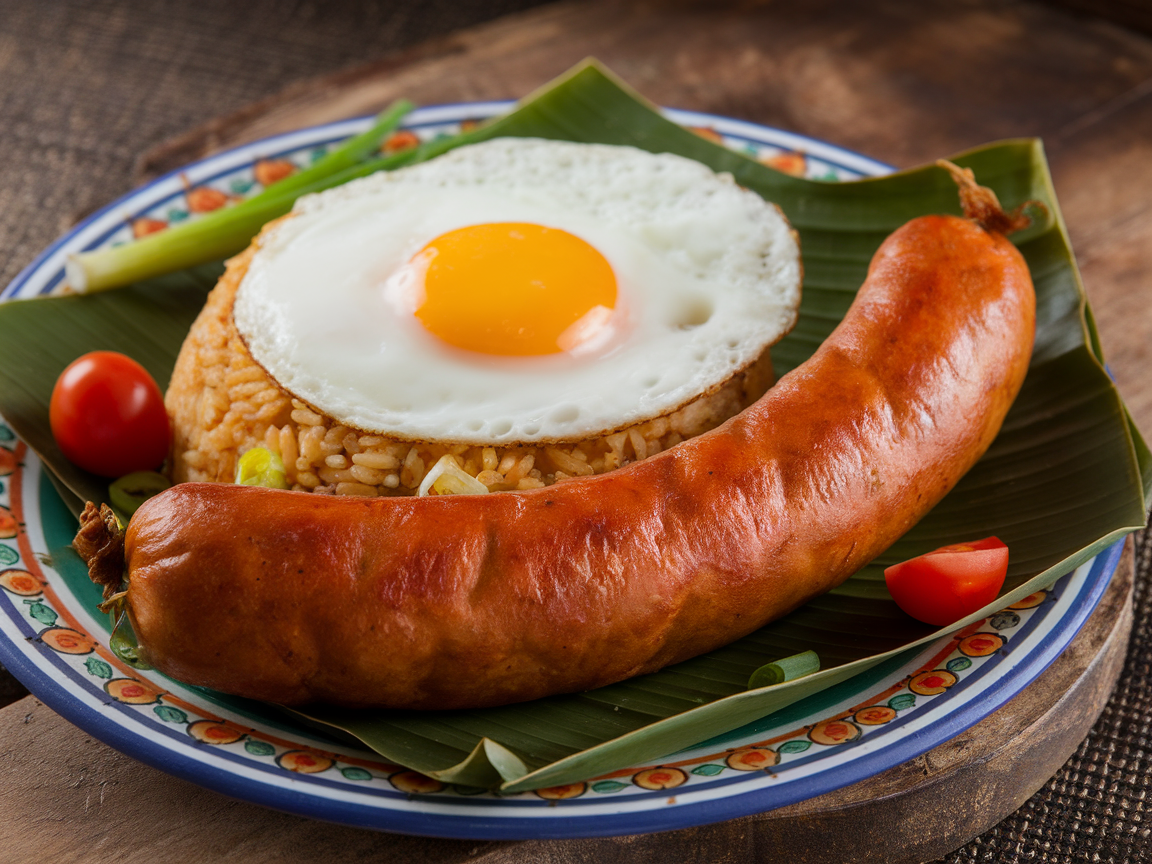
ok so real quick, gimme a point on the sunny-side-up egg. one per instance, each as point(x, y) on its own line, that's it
point(519, 290)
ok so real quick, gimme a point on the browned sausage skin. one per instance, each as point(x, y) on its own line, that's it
point(457, 601)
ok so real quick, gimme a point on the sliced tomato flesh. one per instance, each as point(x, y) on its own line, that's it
point(949, 583)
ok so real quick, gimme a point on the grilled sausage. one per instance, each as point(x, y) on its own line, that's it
point(468, 601)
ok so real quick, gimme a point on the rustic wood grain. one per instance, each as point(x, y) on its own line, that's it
point(904, 82)
point(1134, 14)
point(1102, 166)
point(81, 801)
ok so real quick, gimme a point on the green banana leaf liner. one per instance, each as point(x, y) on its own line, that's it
point(1066, 477)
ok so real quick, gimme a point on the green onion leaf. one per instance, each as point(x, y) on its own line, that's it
point(349, 154)
point(225, 232)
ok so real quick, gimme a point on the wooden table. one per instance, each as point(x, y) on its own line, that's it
point(902, 82)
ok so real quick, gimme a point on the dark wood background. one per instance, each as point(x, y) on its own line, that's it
point(95, 95)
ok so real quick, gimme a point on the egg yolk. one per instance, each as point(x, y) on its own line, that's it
point(514, 289)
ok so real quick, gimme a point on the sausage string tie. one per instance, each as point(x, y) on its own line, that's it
point(981, 205)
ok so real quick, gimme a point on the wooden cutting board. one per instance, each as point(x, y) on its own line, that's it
point(901, 82)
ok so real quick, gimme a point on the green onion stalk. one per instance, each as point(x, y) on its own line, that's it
point(785, 669)
point(227, 231)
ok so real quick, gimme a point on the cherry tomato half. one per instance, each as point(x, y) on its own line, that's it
point(949, 583)
point(108, 416)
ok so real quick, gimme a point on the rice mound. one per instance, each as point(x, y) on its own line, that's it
point(222, 403)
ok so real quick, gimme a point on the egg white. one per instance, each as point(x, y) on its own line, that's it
point(708, 276)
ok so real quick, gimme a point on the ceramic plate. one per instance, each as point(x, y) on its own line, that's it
point(54, 641)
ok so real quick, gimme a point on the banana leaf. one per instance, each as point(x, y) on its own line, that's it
point(1067, 476)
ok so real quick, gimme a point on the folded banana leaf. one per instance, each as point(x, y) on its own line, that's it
point(1067, 476)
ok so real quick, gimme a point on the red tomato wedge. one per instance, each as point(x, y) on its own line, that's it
point(951, 582)
point(107, 415)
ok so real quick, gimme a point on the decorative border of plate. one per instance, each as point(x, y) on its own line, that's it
point(52, 642)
